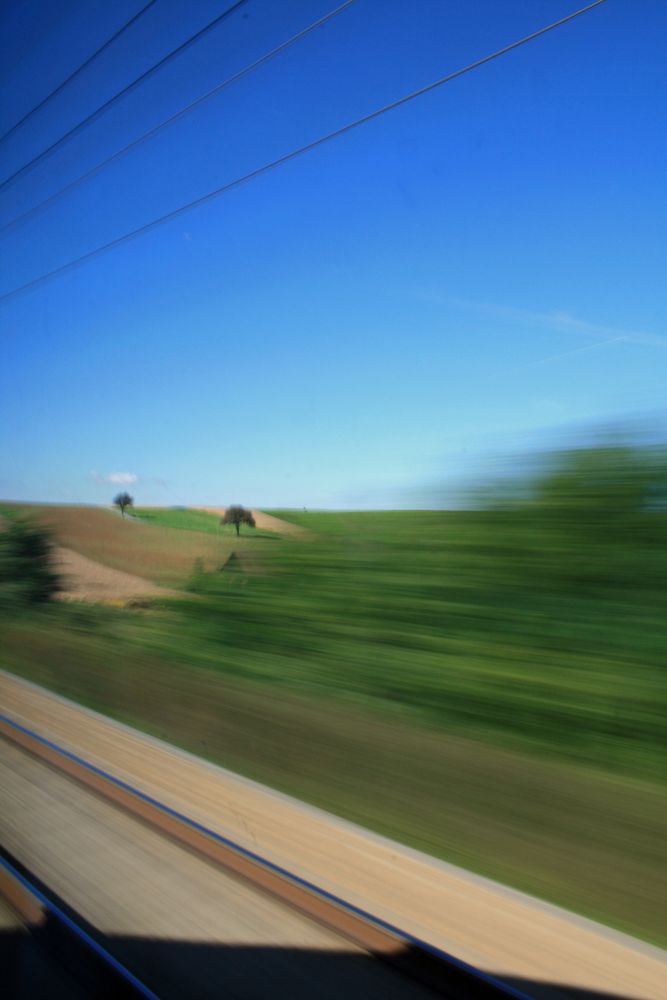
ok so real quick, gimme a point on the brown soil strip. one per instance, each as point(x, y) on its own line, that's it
point(84, 579)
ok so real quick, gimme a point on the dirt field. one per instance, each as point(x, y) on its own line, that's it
point(165, 556)
point(86, 580)
point(546, 951)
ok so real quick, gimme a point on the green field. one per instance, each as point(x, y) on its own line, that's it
point(187, 519)
point(488, 685)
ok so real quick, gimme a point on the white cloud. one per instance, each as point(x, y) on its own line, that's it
point(122, 478)
point(115, 478)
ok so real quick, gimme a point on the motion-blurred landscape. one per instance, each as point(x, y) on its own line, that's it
point(486, 684)
point(333, 500)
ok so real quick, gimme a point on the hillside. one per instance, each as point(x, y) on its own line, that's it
point(165, 555)
point(208, 520)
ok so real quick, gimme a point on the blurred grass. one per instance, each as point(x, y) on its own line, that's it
point(580, 837)
point(441, 617)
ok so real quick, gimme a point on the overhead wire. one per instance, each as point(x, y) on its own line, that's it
point(103, 108)
point(151, 133)
point(293, 154)
point(84, 65)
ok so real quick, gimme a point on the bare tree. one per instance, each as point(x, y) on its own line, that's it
point(123, 500)
point(237, 516)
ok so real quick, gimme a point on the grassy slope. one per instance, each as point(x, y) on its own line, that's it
point(393, 669)
point(187, 519)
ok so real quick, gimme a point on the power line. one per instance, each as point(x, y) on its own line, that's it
point(121, 93)
point(79, 69)
point(287, 157)
point(94, 171)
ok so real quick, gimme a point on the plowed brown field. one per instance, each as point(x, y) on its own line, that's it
point(165, 556)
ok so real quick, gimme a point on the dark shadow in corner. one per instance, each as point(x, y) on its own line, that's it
point(50, 962)
point(34, 968)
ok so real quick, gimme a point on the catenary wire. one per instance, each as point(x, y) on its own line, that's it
point(78, 70)
point(292, 155)
point(94, 171)
point(94, 115)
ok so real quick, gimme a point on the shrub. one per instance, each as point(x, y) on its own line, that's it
point(27, 575)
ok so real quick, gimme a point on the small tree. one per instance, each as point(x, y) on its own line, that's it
point(237, 516)
point(123, 500)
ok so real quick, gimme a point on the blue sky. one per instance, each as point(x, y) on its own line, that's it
point(473, 273)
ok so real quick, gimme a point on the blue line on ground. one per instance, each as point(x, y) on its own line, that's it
point(79, 932)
